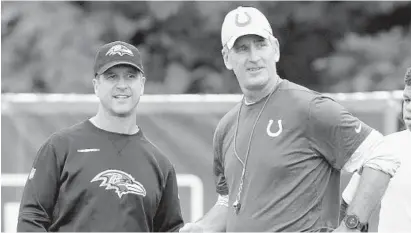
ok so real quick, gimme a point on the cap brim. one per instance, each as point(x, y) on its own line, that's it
point(263, 33)
point(114, 63)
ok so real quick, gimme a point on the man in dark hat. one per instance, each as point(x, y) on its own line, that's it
point(103, 174)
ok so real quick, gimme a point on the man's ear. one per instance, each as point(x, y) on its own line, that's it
point(95, 84)
point(276, 47)
point(227, 63)
point(143, 81)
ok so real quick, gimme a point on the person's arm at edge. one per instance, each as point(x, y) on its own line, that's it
point(348, 194)
point(379, 165)
point(215, 219)
point(168, 217)
point(337, 135)
point(40, 191)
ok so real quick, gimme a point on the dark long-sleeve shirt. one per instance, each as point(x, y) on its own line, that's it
point(88, 179)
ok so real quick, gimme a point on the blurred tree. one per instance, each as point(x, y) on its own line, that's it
point(43, 53)
point(50, 46)
point(309, 30)
point(368, 63)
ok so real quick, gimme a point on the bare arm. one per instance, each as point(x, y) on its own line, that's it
point(215, 219)
point(364, 192)
point(351, 145)
point(371, 189)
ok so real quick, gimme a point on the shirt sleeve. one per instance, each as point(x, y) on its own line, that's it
point(334, 132)
point(168, 217)
point(40, 191)
point(351, 188)
point(218, 165)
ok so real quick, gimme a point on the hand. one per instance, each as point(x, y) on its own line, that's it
point(191, 227)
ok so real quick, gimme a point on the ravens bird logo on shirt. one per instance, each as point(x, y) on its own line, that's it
point(119, 181)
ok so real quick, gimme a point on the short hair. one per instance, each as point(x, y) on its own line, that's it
point(407, 77)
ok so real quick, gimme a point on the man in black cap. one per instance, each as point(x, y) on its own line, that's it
point(103, 174)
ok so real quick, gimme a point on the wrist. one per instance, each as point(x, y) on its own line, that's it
point(353, 223)
point(344, 228)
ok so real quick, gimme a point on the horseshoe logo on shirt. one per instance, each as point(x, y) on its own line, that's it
point(280, 129)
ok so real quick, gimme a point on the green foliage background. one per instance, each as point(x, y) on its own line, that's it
point(327, 46)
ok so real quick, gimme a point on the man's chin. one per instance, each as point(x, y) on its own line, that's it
point(257, 86)
point(257, 83)
point(122, 113)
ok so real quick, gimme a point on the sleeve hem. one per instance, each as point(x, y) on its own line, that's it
point(222, 191)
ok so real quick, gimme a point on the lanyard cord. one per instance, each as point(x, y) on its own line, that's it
point(237, 204)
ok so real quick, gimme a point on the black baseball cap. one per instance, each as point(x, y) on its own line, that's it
point(116, 53)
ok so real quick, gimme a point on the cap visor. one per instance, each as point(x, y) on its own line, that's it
point(114, 63)
point(263, 33)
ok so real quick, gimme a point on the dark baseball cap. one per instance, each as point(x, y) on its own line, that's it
point(116, 53)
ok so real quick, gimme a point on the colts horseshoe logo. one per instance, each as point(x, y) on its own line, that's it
point(244, 22)
point(280, 129)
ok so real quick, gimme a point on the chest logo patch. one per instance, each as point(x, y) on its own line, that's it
point(119, 181)
point(278, 132)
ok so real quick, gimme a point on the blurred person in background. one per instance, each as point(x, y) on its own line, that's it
point(279, 152)
point(395, 211)
point(103, 174)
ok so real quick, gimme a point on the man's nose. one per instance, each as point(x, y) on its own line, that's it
point(254, 54)
point(121, 83)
